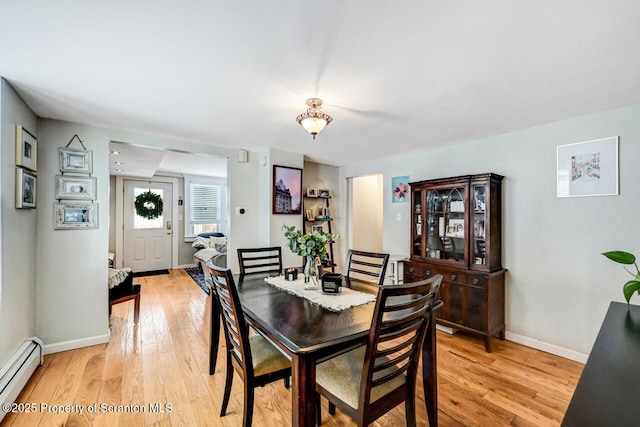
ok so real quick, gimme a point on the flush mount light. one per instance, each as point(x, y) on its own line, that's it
point(314, 120)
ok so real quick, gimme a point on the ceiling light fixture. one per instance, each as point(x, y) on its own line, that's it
point(314, 120)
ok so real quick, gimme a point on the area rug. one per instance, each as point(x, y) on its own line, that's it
point(198, 277)
point(150, 273)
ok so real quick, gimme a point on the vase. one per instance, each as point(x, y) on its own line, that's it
point(311, 274)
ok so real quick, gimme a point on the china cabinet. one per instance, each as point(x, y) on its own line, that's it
point(456, 232)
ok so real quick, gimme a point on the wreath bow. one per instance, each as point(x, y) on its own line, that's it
point(148, 205)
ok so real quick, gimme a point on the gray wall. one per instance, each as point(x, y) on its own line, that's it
point(17, 232)
point(558, 285)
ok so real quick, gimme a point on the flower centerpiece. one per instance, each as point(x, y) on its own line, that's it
point(312, 246)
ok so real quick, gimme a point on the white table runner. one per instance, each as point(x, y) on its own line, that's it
point(347, 298)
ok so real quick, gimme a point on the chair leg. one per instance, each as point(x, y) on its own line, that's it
point(318, 410)
point(247, 416)
point(227, 386)
point(215, 334)
point(332, 408)
point(410, 411)
point(136, 309)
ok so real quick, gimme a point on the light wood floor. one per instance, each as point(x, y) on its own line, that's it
point(164, 361)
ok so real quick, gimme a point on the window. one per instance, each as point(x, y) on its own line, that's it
point(204, 207)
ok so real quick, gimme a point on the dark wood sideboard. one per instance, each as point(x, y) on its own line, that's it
point(607, 393)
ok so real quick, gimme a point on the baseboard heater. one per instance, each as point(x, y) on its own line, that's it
point(15, 374)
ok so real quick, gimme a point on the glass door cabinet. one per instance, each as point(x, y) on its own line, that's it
point(456, 232)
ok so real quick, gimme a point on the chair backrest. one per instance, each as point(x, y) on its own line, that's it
point(235, 327)
point(449, 247)
point(398, 328)
point(260, 260)
point(368, 266)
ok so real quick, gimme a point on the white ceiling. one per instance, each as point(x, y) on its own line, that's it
point(397, 76)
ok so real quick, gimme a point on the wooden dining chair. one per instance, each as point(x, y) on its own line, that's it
point(367, 266)
point(254, 358)
point(367, 382)
point(260, 260)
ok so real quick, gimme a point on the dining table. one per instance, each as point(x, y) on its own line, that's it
point(309, 334)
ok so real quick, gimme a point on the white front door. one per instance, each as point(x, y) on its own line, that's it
point(147, 241)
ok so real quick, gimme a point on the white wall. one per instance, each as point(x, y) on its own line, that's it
point(558, 286)
point(17, 232)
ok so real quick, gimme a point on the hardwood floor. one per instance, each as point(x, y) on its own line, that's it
point(160, 369)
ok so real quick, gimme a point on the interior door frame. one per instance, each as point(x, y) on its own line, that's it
point(119, 214)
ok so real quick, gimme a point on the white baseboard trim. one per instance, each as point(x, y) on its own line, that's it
point(546, 347)
point(74, 344)
point(186, 266)
point(533, 343)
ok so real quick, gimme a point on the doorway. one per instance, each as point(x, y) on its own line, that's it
point(147, 224)
point(365, 217)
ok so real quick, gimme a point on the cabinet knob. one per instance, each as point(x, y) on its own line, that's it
point(427, 272)
point(476, 281)
point(454, 277)
point(410, 269)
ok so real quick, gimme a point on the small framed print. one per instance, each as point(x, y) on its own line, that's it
point(26, 149)
point(70, 187)
point(325, 194)
point(76, 161)
point(75, 216)
point(317, 228)
point(25, 189)
point(311, 192)
point(588, 168)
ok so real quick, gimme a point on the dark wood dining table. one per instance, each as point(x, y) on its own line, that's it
point(309, 334)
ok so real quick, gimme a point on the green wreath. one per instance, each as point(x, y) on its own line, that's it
point(148, 205)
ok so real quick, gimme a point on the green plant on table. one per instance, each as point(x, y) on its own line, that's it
point(308, 244)
point(627, 258)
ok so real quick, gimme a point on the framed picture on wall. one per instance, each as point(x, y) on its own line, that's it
point(71, 187)
point(25, 189)
point(76, 161)
point(400, 189)
point(75, 216)
point(588, 168)
point(287, 190)
point(26, 149)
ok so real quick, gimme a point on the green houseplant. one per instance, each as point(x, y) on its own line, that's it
point(627, 258)
point(312, 246)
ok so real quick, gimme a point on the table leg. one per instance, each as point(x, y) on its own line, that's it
point(303, 391)
point(430, 372)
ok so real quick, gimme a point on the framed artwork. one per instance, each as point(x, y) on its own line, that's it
point(588, 168)
point(317, 228)
point(26, 149)
point(400, 189)
point(25, 189)
point(311, 192)
point(73, 187)
point(325, 194)
point(75, 216)
point(76, 161)
point(287, 190)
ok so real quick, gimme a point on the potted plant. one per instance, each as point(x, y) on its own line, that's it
point(627, 258)
point(312, 246)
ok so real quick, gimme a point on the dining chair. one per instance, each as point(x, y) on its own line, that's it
point(367, 382)
point(256, 360)
point(260, 260)
point(366, 265)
